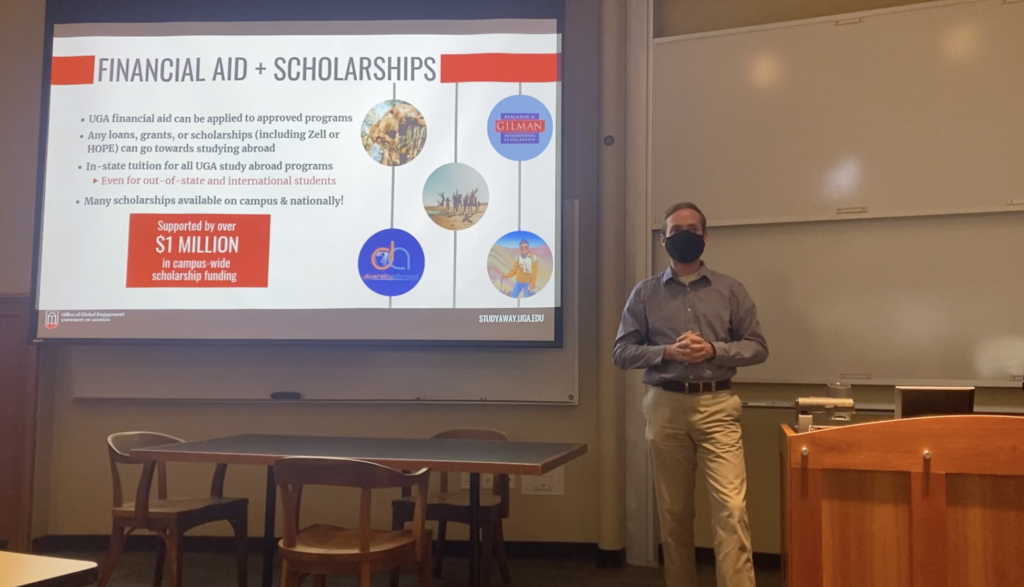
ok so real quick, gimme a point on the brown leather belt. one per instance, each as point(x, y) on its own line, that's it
point(696, 386)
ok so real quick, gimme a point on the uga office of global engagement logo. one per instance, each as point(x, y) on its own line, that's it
point(391, 262)
point(520, 127)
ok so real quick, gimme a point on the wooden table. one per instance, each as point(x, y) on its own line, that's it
point(449, 456)
point(26, 570)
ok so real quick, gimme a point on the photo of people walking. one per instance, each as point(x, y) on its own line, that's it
point(455, 196)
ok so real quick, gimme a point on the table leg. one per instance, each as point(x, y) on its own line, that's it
point(474, 530)
point(269, 542)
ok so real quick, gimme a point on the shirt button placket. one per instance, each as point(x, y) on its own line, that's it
point(690, 316)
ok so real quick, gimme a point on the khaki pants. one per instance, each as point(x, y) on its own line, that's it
point(684, 431)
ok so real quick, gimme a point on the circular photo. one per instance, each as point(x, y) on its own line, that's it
point(393, 133)
point(391, 262)
point(455, 196)
point(520, 264)
point(520, 127)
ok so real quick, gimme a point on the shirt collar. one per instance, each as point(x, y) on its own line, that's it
point(668, 276)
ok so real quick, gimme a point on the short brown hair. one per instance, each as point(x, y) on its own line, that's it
point(684, 206)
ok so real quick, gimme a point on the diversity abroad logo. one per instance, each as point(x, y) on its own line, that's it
point(391, 262)
point(520, 127)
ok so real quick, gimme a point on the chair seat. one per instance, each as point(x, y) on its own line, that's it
point(457, 499)
point(326, 540)
point(176, 506)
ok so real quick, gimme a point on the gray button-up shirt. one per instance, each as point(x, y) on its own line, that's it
point(714, 305)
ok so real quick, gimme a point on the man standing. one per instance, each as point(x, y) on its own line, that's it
point(690, 328)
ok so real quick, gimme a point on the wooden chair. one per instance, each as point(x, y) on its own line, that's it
point(445, 506)
point(168, 518)
point(322, 550)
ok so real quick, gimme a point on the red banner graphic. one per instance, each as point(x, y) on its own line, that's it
point(71, 71)
point(198, 250)
point(500, 67)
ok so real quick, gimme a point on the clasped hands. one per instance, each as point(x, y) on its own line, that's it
point(689, 348)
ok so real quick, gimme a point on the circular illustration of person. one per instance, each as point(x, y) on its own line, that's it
point(455, 196)
point(393, 133)
point(520, 127)
point(520, 264)
point(391, 262)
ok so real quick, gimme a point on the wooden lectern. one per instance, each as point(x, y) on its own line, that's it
point(920, 502)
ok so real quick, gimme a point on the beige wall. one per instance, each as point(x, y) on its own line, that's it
point(682, 17)
point(21, 60)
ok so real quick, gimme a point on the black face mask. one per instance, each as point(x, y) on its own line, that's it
point(685, 246)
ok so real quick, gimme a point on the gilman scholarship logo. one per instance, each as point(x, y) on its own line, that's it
point(520, 127)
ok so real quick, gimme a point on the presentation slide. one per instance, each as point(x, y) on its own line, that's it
point(364, 180)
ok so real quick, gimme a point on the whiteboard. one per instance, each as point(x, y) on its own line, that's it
point(344, 373)
point(899, 112)
point(899, 301)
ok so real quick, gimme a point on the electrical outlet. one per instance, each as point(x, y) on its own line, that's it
point(552, 483)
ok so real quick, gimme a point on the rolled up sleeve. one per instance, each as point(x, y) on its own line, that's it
point(631, 348)
point(748, 345)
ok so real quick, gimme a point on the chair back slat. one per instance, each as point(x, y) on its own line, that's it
point(365, 509)
point(143, 490)
point(419, 518)
point(291, 502)
point(116, 476)
point(217, 485)
point(161, 475)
